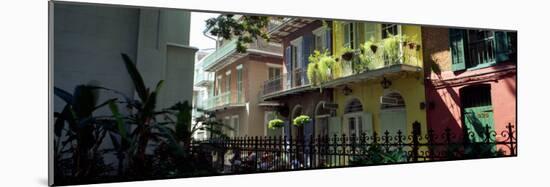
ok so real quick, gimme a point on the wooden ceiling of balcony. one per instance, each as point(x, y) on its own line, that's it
point(288, 27)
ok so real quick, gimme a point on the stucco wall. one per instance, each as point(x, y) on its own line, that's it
point(410, 87)
point(445, 96)
point(88, 41)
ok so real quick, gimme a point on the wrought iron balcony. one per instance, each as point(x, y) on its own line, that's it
point(203, 78)
point(286, 82)
point(211, 60)
point(225, 99)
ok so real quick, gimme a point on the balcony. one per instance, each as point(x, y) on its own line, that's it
point(227, 99)
point(285, 84)
point(227, 54)
point(368, 63)
point(220, 54)
point(203, 78)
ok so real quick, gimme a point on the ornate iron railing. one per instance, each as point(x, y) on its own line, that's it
point(257, 154)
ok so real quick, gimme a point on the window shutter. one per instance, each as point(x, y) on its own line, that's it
point(502, 46)
point(288, 65)
point(334, 127)
point(307, 48)
point(457, 40)
point(367, 123)
point(286, 129)
point(328, 40)
point(308, 129)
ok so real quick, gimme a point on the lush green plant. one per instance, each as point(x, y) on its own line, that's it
point(375, 154)
point(391, 48)
point(275, 123)
point(245, 28)
point(301, 120)
point(322, 67)
point(79, 134)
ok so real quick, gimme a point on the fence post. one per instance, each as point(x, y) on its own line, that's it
point(416, 135)
point(511, 137)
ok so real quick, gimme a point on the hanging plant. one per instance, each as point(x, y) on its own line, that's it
point(321, 68)
point(301, 120)
point(276, 124)
point(348, 54)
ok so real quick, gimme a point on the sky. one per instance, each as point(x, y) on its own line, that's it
point(197, 39)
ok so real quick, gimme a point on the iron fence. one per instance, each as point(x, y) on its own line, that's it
point(256, 154)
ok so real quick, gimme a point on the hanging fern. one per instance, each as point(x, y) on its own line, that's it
point(321, 68)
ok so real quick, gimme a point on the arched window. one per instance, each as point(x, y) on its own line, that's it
point(353, 106)
point(392, 100)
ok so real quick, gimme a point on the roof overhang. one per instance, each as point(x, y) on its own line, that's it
point(289, 26)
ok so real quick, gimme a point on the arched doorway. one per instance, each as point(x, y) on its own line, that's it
point(296, 131)
point(321, 119)
point(353, 117)
point(393, 115)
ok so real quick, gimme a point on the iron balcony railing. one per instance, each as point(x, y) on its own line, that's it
point(482, 52)
point(219, 54)
point(203, 77)
point(224, 99)
point(286, 82)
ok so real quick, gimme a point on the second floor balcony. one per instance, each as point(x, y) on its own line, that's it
point(203, 78)
point(228, 99)
point(373, 60)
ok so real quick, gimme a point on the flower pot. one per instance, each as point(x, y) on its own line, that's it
point(411, 45)
point(373, 48)
point(347, 56)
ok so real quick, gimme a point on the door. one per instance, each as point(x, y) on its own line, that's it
point(478, 119)
point(393, 120)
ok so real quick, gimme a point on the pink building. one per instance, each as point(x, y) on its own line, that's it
point(471, 82)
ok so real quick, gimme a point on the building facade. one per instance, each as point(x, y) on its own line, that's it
point(238, 78)
point(471, 83)
point(290, 92)
point(388, 94)
point(88, 41)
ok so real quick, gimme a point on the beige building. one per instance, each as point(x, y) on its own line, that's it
point(237, 85)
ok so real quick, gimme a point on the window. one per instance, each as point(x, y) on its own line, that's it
point(274, 73)
point(388, 29)
point(353, 117)
point(235, 126)
point(349, 35)
point(296, 60)
point(239, 83)
point(475, 96)
point(218, 85)
point(320, 39)
point(227, 96)
point(472, 49)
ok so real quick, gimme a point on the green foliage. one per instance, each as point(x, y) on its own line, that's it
point(245, 28)
point(275, 124)
point(322, 67)
point(392, 50)
point(79, 134)
point(375, 154)
point(301, 120)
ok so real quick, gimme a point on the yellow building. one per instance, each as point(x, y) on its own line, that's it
point(389, 93)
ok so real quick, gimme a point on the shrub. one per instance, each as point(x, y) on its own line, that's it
point(301, 120)
point(275, 123)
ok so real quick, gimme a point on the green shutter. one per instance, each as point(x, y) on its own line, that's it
point(457, 40)
point(502, 46)
point(334, 126)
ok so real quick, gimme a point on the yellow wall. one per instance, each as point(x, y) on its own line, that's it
point(409, 85)
point(369, 92)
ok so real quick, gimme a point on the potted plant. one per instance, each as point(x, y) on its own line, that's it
point(301, 120)
point(348, 54)
point(275, 124)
